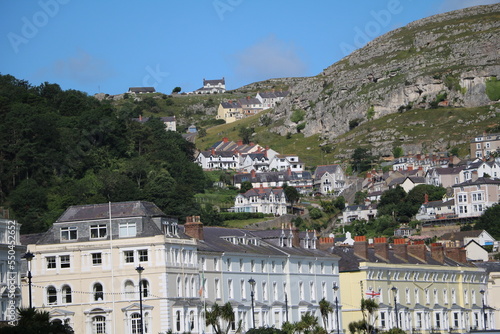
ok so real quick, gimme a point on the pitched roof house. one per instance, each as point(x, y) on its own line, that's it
point(265, 200)
point(141, 90)
point(302, 181)
point(212, 86)
point(329, 179)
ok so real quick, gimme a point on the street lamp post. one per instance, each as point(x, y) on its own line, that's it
point(140, 269)
point(29, 256)
point(482, 291)
point(251, 281)
point(336, 288)
point(286, 307)
point(395, 291)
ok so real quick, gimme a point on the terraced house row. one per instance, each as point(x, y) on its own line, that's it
point(100, 265)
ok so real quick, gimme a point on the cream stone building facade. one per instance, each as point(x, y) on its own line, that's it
point(419, 289)
point(84, 269)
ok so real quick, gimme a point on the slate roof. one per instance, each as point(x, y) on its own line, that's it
point(350, 262)
point(479, 181)
point(273, 95)
point(449, 170)
point(322, 169)
point(269, 243)
point(214, 82)
point(118, 210)
point(461, 235)
point(272, 177)
point(142, 89)
point(230, 104)
point(263, 192)
point(489, 266)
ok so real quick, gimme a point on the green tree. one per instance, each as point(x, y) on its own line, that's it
point(361, 159)
point(325, 308)
point(221, 318)
point(359, 197)
point(292, 195)
point(33, 321)
point(397, 152)
point(246, 134)
point(490, 221)
point(245, 186)
point(315, 213)
point(368, 308)
point(176, 90)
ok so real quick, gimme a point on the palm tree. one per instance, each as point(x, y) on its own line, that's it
point(368, 308)
point(325, 308)
point(307, 323)
point(217, 314)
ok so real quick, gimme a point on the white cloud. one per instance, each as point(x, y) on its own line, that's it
point(449, 5)
point(83, 68)
point(269, 58)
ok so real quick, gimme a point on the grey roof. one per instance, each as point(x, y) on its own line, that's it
point(118, 210)
point(268, 243)
point(479, 181)
point(163, 119)
point(273, 95)
point(282, 176)
point(460, 235)
point(214, 81)
point(230, 104)
point(491, 267)
point(322, 169)
point(142, 89)
point(350, 262)
point(249, 100)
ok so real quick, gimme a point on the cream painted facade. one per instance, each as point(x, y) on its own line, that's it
point(429, 298)
point(90, 281)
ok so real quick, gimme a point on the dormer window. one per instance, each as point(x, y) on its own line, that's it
point(128, 229)
point(98, 231)
point(69, 233)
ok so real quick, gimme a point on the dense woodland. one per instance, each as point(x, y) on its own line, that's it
point(62, 147)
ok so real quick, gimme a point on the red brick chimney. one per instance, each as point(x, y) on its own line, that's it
point(240, 142)
point(194, 227)
point(401, 249)
point(296, 238)
point(225, 140)
point(456, 254)
point(417, 249)
point(437, 252)
point(381, 248)
point(212, 151)
point(361, 247)
point(253, 173)
point(426, 198)
point(325, 242)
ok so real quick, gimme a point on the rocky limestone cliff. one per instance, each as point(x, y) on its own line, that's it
point(443, 59)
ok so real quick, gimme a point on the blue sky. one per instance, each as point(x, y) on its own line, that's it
point(109, 46)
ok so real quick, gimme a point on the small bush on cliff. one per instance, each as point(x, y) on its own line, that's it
point(493, 88)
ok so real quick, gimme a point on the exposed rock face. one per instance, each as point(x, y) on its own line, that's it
point(443, 59)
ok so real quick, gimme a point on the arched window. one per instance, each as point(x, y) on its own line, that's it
point(129, 289)
point(98, 293)
point(136, 323)
point(191, 321)
point(144, 288)
point(51, 295)
point(66, 294)
point(99, 323)
point(179, 287)
point(178, 320)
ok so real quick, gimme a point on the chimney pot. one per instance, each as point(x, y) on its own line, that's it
point(194, 228)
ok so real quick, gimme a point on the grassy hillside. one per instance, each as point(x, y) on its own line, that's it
point(452, 126)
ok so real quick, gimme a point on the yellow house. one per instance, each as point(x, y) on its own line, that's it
point(230, 111)
point(417, 290)
point(87, 269)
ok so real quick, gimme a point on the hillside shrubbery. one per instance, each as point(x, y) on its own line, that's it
point(60, 148)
